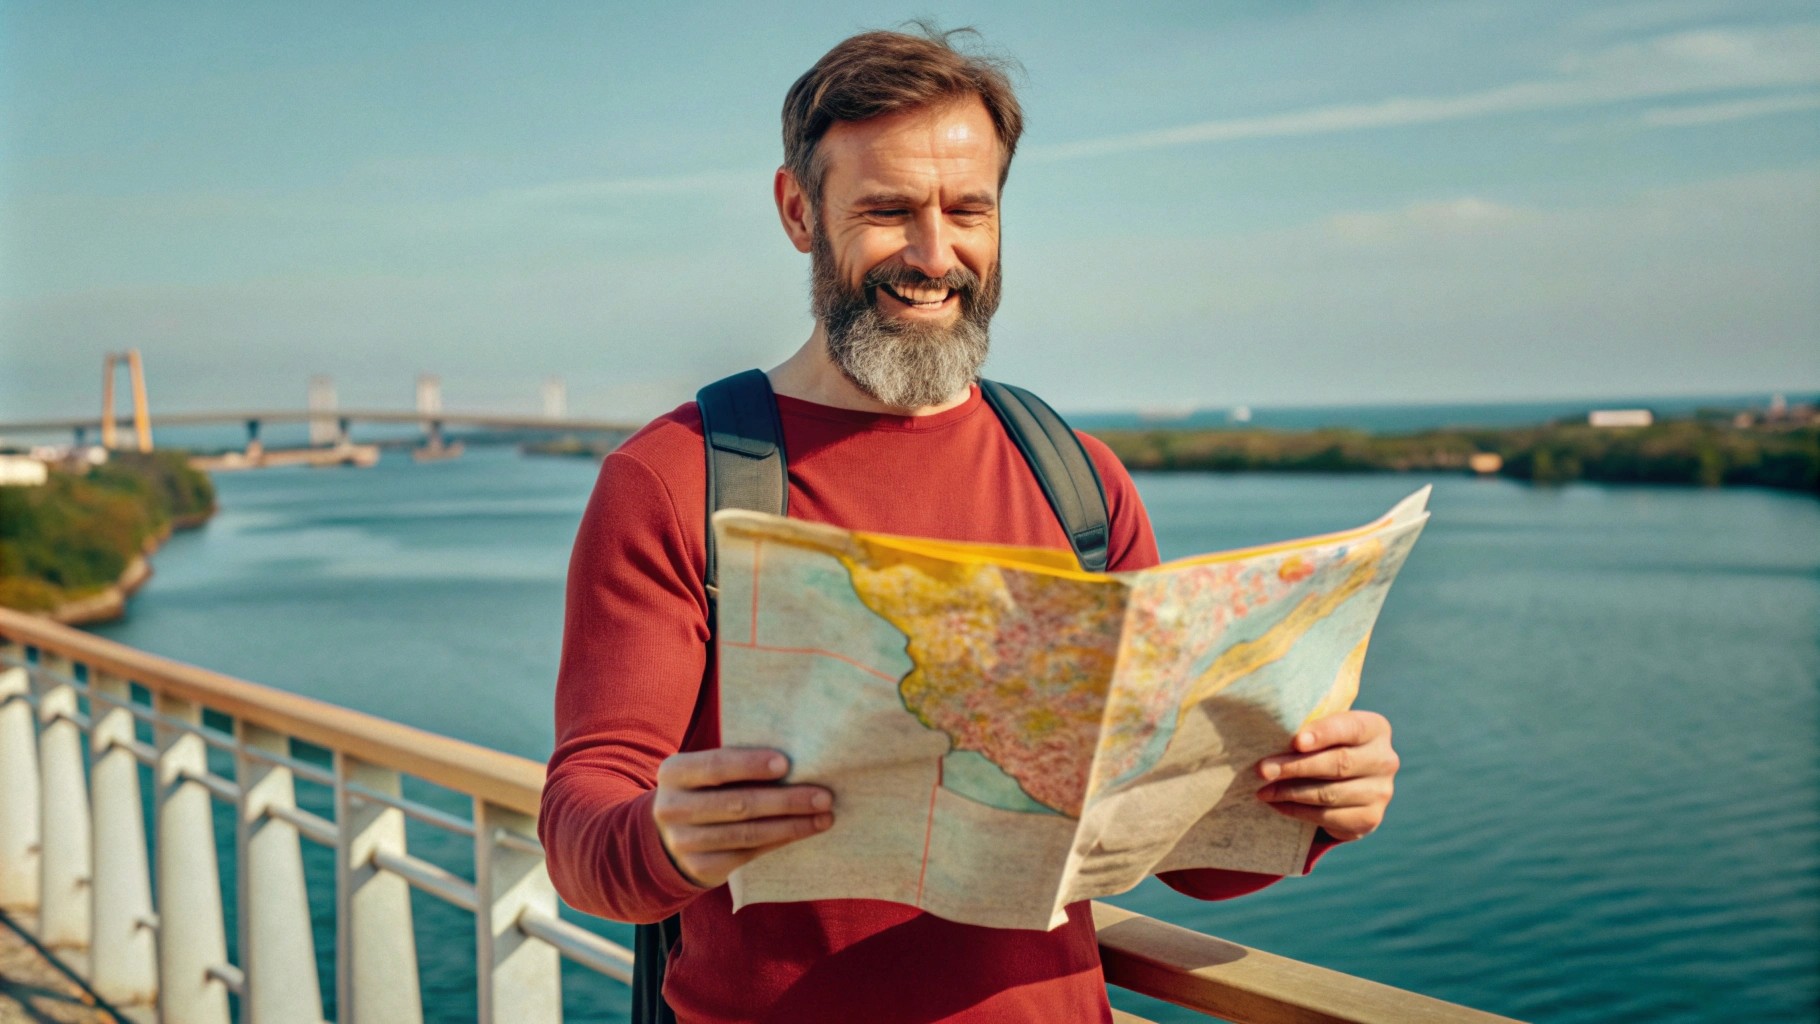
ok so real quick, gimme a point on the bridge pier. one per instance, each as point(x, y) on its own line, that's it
point(435, 444)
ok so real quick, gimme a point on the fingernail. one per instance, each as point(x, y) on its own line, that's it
point(1305, 739)
point(822, 801)
point(777, 765)
point(1264, 793)
point(822, 821)
point(1270, 770)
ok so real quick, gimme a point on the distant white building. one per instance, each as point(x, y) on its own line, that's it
point(1621, 418)
point(22, 471)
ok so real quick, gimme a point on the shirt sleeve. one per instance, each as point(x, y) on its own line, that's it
point(635, 636)
point(1134, 547)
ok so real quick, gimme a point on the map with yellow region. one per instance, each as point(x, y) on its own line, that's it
point(1006, 734)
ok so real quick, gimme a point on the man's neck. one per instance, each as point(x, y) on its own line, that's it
point(812, 376)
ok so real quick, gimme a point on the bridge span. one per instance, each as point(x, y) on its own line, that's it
point(492, 421)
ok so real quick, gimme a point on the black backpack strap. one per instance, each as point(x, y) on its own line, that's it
point(650, 952)
point(746, 469)
point(1061, 466)
point(745, 441)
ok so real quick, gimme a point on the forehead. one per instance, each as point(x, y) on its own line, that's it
point(950, 147)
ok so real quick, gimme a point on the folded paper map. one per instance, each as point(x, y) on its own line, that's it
point(1006, 734)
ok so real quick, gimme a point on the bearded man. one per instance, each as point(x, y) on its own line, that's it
point(896, 148)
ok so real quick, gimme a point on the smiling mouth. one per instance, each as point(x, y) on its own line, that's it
point(920, 298)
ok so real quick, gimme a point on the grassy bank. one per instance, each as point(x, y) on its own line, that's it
point(1693, 452)
point(79, 533)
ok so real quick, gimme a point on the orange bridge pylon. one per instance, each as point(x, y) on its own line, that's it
point(142, 417)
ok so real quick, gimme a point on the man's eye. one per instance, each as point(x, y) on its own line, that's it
point(890, 213)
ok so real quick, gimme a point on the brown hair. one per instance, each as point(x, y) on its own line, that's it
point(878, 73)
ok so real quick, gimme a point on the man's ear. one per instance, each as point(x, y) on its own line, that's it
point(793, 210)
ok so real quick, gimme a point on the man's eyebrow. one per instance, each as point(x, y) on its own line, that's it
point(893, 200)
point(875, 200)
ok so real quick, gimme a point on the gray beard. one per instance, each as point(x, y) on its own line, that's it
point(902, 364)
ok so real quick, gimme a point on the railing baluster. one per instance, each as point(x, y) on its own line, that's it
point(277, 946)
point(520, 978)
point(63, 896)
point(191, 936)
point(124, 967)
point(375, 948)
point(19, 835)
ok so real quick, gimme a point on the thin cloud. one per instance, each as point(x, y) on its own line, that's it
point(1684, 63)
point(596, 189)
point(1713, 113)
point(1468, 214)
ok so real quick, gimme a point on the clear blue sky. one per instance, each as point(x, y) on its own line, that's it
point(1267, 203)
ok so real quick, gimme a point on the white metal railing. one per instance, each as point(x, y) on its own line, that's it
point(74, 850)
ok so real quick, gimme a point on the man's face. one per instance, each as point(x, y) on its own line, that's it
point(905, 251)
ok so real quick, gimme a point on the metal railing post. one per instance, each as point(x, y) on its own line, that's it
point(19, 835)
point(520, 977)
point(124, 961)
point(375, 947)
point(63, 895)
point(191, 936)
point(277, 946)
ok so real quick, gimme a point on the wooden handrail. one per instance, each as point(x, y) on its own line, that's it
point(1249, 986)
point(500, 778)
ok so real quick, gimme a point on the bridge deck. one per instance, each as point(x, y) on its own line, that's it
point(34, 990)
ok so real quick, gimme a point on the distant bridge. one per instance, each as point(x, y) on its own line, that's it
point(329, 425)
point(80, 425)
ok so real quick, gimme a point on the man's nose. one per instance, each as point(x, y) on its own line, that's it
point(928, 247)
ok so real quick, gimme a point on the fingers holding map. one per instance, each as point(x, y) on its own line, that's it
point(1007, 734)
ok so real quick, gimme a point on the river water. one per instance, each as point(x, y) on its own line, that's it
point(1606, 702)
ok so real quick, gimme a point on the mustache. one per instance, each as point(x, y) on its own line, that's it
point(898, 276)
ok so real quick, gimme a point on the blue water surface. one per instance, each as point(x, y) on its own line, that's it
point(1605, 699)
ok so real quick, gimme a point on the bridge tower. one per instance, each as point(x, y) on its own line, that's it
point(324, 429)
point(142, 417)
point(429, 393)
point(429, 410)
point(555, 398)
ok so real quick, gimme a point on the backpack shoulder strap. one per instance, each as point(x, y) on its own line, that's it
point(745, 446)
point(1062, 467)
point(746, 469)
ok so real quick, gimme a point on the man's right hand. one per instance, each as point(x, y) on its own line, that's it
point(717, 809)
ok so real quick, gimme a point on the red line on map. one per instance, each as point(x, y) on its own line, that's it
point(928, 832)
point(758, 550)
point(836, 655)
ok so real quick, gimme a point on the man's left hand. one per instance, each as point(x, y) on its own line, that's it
point(1338, 776)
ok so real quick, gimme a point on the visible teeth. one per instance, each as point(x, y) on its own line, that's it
point(918, 297)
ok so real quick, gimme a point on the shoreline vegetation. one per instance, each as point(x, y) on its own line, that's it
point(1691, 452)
point(1705, 451)
point(76, 547)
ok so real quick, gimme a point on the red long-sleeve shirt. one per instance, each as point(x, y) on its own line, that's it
point(636, 686)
